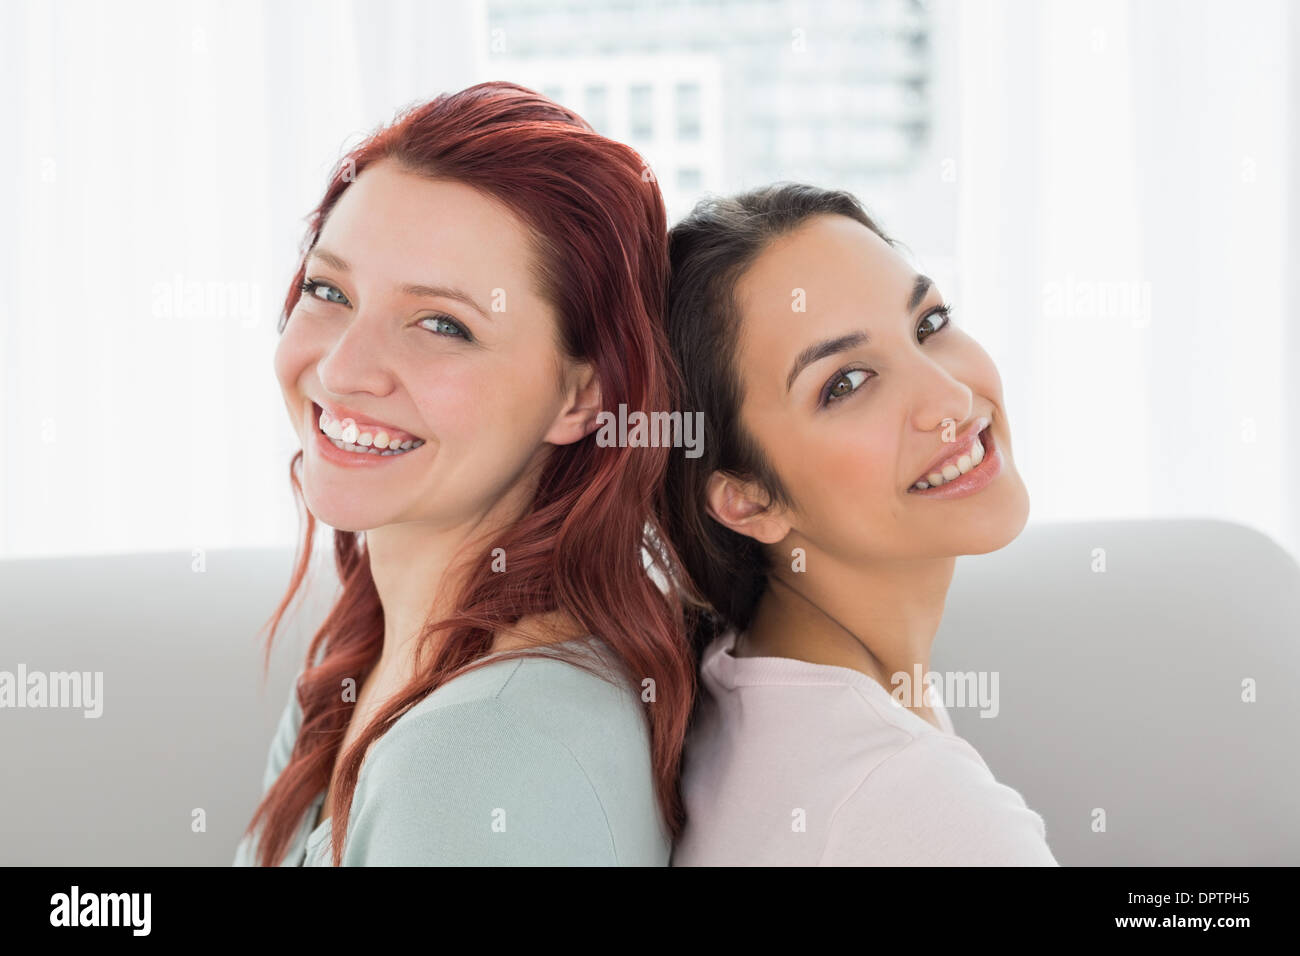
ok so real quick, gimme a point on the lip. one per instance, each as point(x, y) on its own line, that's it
point(975, 480)
point(330, 452)
point(961, 446)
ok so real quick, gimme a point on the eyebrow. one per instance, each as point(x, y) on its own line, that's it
point(428, 291)
point(820, 350)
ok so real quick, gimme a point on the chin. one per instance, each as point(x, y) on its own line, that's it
point(341, 515)
point(1001, 525)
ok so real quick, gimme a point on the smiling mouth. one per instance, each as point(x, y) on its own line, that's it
point(363, 439)
point(954, 468)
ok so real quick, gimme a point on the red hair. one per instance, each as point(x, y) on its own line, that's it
point(600, 231)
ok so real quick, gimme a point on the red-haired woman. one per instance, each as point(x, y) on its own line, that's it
point(499, 681)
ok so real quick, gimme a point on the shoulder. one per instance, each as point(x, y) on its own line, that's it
point(934, 802)
point(549, 694)
point(288, 728)
point(284, 738)
point(526, 762)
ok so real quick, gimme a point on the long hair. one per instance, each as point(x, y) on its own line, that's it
point(599, 232)
point(725, 573)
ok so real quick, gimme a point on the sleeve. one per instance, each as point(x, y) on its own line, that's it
point(277, 758)
point(472, 784)
point(934, 802)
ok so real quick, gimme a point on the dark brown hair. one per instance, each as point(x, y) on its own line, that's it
point(708, 253)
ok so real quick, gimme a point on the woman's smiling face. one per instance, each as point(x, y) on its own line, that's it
point(852, 398)
point(421, 318)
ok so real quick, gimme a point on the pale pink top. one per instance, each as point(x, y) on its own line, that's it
point(791, 763)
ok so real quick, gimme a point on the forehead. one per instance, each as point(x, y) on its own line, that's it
point(401, 225)
point(835, 262)
point(830, 276)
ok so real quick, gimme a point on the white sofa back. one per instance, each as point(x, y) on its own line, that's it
point(1118, 691)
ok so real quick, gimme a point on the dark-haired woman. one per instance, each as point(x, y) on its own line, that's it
point(857, 442)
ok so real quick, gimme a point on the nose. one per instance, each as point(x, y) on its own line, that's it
point(355, 361)
point(940, 397)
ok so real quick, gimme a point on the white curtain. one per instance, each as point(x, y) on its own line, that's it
point(1111, 203)
point(160, 160)
point(1128, 250)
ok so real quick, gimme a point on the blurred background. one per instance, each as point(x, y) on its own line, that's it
point(1105, 190)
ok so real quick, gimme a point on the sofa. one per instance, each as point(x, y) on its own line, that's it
point(1147, 706)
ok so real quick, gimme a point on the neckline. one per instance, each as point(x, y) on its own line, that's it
point(313, 834)
point(748, 670)
point(314, 811)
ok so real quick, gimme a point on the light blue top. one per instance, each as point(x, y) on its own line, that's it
point(529, 762)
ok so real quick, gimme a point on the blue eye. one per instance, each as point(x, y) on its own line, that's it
point(442, 324)
point(312, 286)
point(446, 325)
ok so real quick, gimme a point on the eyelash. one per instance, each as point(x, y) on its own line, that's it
point(308, 287)
point(827, 399)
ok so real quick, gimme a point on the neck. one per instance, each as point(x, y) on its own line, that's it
point(419, 569)
point(879, 618)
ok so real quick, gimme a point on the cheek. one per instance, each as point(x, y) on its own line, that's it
point(453, 402)
point(501, 403)
point(289, 365)
point(855, 463)
point(292, 353)
point(979, 370)
point(836, 470)
point(283, 362)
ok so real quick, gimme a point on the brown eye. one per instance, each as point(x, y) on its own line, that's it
point(843, 384)
point(944, 311)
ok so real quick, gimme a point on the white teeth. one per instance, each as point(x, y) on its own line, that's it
point(347, 434)
point(953, 470)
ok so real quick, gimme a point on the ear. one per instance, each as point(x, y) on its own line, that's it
point(579, 407)
point(745, 509)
